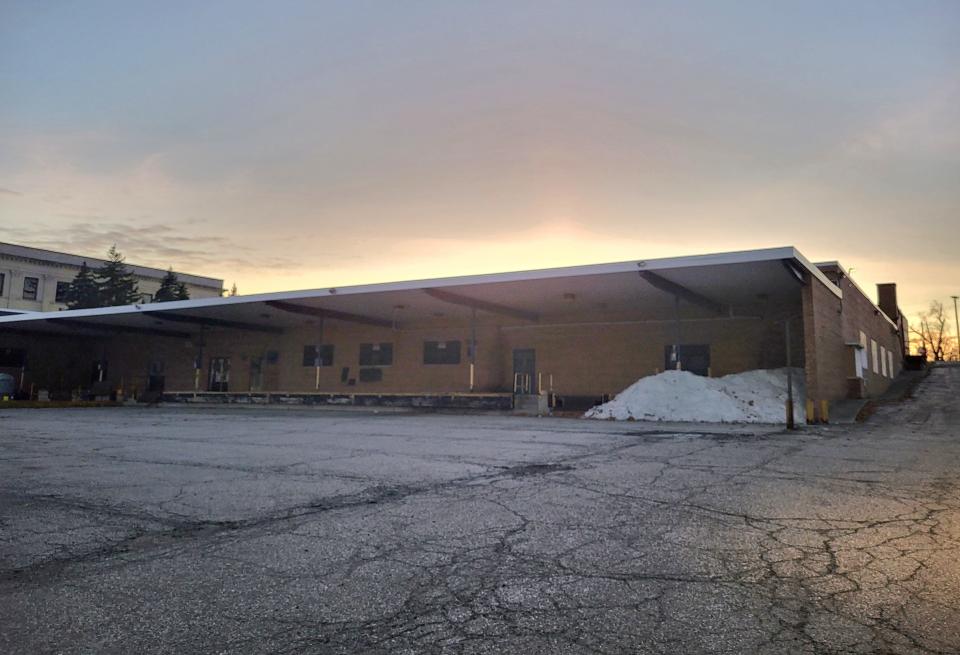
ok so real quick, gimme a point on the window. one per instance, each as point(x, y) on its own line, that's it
point(13, 357)
point(890, 362)
point(318, 355)
point(876, 358)
point(30, 286)
point(693, 357)
point(63, 288)
point(883, 361)
point(441, 352)
point(3, 278)
point(376, 354)
point(371, 374)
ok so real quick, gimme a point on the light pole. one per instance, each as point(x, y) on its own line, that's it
point(956, 324)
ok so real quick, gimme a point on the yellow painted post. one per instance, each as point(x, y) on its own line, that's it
point(810, 413)
point(824, 411)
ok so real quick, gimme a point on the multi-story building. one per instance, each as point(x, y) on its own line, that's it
point(34, 279)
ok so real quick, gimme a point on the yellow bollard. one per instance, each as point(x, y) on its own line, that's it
point(810, 413)
point(824, 411)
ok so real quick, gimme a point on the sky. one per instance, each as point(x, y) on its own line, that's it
point(293, 145)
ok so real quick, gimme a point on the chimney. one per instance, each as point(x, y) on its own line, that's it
point(887, 300)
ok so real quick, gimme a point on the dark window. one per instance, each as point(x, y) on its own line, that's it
point(371, 374)
point(376, 354)
point(693, 358)
point(344, 373)
point(322, 353)
point(62, 289)
point(30, 286)
point(273, 357)
point(2, 280)
point(12, 357)
point(98, 371)
point(441, 352)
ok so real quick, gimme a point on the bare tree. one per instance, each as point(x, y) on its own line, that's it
point(931, 338)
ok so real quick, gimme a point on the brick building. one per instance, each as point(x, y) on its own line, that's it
point(577, 334)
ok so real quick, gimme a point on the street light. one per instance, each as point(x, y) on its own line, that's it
point(956, 324)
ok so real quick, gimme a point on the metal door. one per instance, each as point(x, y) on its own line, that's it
point(156, 380)
point(219, 379)
point(524, 369)
point(256, 373)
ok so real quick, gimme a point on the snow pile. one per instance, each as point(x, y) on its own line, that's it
point(752, 397)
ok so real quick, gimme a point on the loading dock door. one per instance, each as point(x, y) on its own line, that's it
point(524, 370)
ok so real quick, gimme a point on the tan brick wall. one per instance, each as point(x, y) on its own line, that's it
point(859, 313)
point(829, 324)
point(828, 362)
point(583, 359)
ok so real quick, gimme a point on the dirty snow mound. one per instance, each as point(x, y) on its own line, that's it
point(751, 397)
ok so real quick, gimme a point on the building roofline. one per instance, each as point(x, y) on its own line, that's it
point(69, 259)
point(836, 264)
point(739, 257)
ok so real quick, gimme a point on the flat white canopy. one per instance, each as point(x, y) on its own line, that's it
point(717, 284)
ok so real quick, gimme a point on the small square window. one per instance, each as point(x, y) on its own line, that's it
point(30, 286)
point(441, 352)
point(318, 355)
point(372, 374)
point(63, 288)
point(376, 354)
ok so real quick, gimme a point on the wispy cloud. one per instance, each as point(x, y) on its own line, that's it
point(927, 126)
point(154, 244)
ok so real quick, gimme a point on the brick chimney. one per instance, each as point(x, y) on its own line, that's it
point(887, 300)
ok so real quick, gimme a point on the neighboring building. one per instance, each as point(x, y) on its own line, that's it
point(34, 279)
point(571, 335)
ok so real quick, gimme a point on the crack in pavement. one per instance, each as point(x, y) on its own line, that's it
point(830, 540)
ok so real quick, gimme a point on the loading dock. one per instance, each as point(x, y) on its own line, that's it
point(575, 335)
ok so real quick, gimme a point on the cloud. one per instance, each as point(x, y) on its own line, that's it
point(9, 192)
point(929, 125)
point(152, 244)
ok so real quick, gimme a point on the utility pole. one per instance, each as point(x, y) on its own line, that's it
point(790, 421)
point(956, 324)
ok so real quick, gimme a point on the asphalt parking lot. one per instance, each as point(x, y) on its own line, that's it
point(251, 531)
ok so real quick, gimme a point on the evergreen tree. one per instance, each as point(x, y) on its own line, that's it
point(182, 293)
point(84, 292)
point(118, 286)
point(169, 288)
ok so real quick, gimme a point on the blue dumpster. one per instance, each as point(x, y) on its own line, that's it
point(7, 385)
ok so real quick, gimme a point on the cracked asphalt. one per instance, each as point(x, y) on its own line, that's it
point(252, 531)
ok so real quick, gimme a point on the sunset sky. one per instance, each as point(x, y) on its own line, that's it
point(290, 145)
